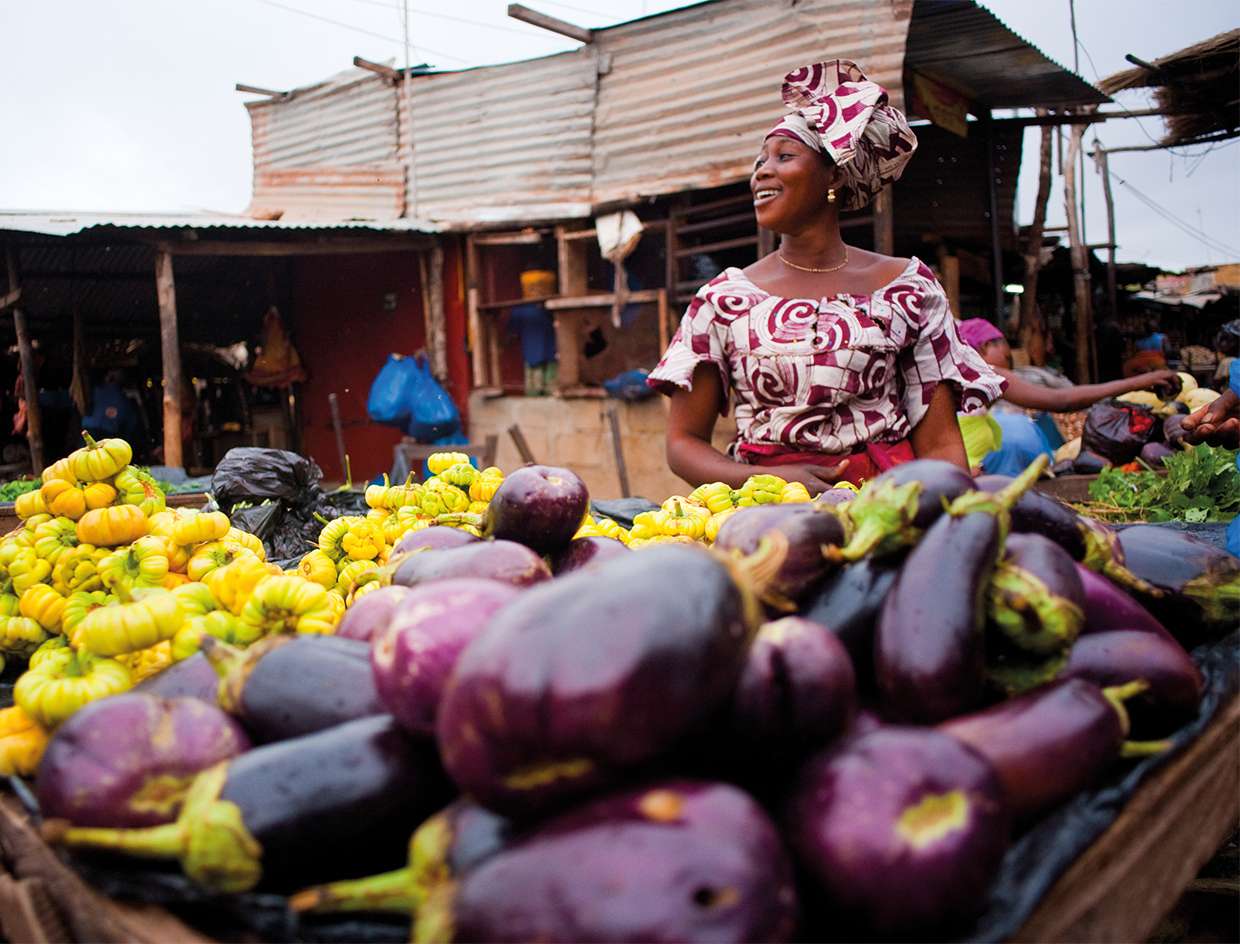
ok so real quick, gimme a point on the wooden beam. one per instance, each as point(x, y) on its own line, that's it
point(1101, 160)
point(257, 90)
point(1032, 329)
point(600, 301)
point(170, 349)
point(378, 68)
point(1080, 264)
point(992, 204)
point(884, 223)
point(509, 239)
point(302, 247)
point(438, 337)
point(523, 13)
point(30, 387)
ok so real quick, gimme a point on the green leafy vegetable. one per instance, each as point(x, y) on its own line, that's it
point(1200, 484)
point(11, 491)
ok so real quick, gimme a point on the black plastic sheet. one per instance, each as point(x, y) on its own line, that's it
point(254, 475)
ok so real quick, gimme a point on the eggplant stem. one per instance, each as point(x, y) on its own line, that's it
point(155, 842)
point(1118, 694)
point(1143, 748)
point(386, 892)
point(1010, 494)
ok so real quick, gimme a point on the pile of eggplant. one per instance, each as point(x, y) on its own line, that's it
point(833, 723)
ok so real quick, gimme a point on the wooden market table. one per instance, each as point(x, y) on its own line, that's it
point(1118, 890)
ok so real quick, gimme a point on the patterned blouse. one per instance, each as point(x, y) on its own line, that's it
point(827, 376)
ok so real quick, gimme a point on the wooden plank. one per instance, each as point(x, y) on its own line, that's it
point(552, 23)
point(523, 238)
point(571, 255)
point(397, 242)
point(523, 447)
point(568, 350)
point(30, 386)
point(562, 303)
point(378, 68)
point(1080, 263)
point(1121, 887)
point(477, 356)
point(665, 330)
point(617, 445)
point(170, 350)
point(716, 223)
point(438, 338)
point(736, 243)
point(883, 222)
point(490, 330)
point(508, 303)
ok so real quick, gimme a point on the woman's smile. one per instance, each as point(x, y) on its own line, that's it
point(764, 195)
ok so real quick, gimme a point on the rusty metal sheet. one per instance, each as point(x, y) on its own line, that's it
point(689, 93)
point(372, 192)
point(504, 143)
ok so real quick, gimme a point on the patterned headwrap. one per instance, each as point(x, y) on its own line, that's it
point(840, 113)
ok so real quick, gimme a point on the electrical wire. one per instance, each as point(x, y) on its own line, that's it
point(460, 19)
point(358, 29)
point(1202, 237)
point(566, 6)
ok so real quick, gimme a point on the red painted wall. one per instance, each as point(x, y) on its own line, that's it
point(344, 334)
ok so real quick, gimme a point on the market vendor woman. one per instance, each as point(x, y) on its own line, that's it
point(840, 362)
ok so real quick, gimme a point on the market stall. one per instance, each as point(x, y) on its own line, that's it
point(739, 713)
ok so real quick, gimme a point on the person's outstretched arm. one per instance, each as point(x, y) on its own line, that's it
point(1078, 397)
point(937, 436)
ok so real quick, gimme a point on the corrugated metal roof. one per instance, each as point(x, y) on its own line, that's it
point(526, 130)
point(70, 222)
point(330, 151)
point(689, 93)
point(968, 48)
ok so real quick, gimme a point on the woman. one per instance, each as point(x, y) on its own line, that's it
point(1015, 439)
point(841, 362)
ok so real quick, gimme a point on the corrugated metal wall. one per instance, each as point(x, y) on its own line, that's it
point(504, 143)
point(330, 151)
point(689, 93)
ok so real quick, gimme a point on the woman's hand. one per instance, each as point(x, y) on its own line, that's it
point(1165, 383)
point(816, 478)
point(1217, 423)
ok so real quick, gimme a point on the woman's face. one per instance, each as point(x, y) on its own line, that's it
point(997, 354)
point(789, 183)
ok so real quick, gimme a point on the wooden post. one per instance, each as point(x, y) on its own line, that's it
point(170, 348)
point(992, 203)
point(1100, 156)
point(1032, 330)
point(477, 355)
point(884, 223)
point(617, 445)
point(34, 419)
point(1080, 261)
point(438, 336)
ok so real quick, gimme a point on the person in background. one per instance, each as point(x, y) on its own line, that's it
point(1218, 424)
point(841, 362)
point(535, 327)
point(1022, 439)
point(1151, 354)
point(1227, 344)
point(113, 412)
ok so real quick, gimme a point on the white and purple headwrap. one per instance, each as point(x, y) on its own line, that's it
point(837, 111)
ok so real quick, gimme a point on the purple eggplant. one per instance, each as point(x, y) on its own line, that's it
point(1175, 684)
point(288, 686)
point(901, 830)
point(191, 678)
point(371, 613)
point(434, 538)
point(674, 861)
point(895, 508)
point(805, 528)
point(128, 760)
point(848, 604)
point(588, 676)
point(585, 552)
point(505, 561)
point(833, 497)
point(412, 657)
point(325, 806)
point(928, 648)
point(1108, 606)
point(1197, 582)
point(445, 847)
point(797, 690)
point(1038, 513)
point(1048, 744)
point(539, 506)
point(1036, 597)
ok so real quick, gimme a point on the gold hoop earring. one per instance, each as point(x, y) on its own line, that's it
point(830, 194)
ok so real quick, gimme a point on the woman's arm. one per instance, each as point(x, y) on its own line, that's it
point(1066, 399)
point(937, 436)
point(690, 424)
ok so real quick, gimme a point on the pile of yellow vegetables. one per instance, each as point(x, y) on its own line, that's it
point(698, 516)
point(102, 586)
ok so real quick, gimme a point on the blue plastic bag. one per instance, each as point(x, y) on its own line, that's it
point(432, 414)
point(392, 392)
point(628, 385)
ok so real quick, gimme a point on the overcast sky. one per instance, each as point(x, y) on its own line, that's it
point(129, 104)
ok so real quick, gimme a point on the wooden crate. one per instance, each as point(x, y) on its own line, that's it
point(1118, 890)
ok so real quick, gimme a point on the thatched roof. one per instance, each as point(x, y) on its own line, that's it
point(1199, 86)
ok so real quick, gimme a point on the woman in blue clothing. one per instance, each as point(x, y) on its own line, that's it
point(1218, 424)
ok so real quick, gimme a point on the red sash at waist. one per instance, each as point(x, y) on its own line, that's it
point(864, 464)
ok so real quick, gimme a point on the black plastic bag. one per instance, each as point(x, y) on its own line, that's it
point(1117, 431)
point(252, 474)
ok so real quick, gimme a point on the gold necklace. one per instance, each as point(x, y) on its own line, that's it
point(834, 268)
